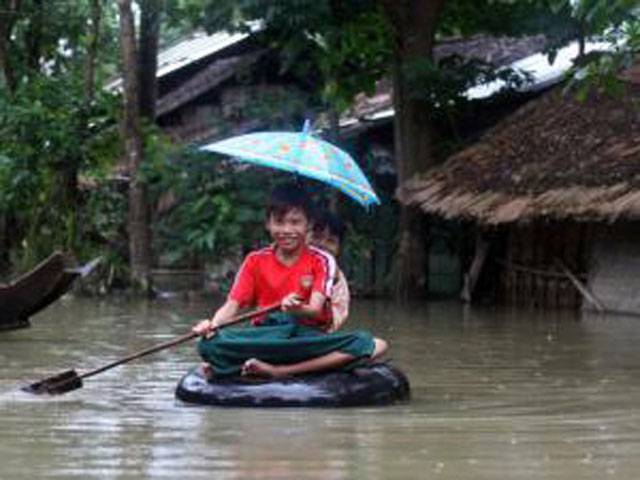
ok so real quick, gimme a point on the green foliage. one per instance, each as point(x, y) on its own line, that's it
point(207, 209)
point(442, 86)
point(498, 17)
point(103, 231)
point(40, 128)
point(618, 23)
point(352, 55)
point(48, 127)
point(338, 49)
point(50, 37)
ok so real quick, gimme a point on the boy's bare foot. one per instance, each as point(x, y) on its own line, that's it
point(256, 367)
point(207, 370)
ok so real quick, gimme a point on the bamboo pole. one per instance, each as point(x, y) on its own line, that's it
point(581, 287)
point(471, 278)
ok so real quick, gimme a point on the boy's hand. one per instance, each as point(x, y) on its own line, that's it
point(205, 328)
point(291, 302)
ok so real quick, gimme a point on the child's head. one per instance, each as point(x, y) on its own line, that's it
point(328, 232)
point(286, 197)
point(288, 216)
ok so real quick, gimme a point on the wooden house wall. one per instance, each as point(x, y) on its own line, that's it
point(229, 110)
point(532, 274)
point(614, 273)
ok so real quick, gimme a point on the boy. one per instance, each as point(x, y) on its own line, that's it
point(328, 233)
point(290, 342)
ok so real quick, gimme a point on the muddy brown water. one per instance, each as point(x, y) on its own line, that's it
point(496, 394)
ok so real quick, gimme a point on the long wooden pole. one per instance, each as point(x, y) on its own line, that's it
point(581, 287)
point(71, 380)
point(176, 341)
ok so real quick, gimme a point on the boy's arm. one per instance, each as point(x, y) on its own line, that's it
point(294, 305)
point(324, 271)
point(225, 313)
point(222, 316)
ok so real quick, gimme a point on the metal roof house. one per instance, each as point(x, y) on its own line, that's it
point(524, 54)
point(209, 86)
point(194, 74)
point(369, 122)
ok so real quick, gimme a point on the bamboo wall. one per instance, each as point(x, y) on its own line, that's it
point(531, 275)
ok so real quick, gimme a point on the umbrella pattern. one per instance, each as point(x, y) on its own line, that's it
point(301, 153)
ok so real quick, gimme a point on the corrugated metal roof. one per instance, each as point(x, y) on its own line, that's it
point(198, 46)
point(543, 74)
point(191, 49)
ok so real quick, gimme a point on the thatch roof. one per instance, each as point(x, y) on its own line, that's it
point(556, 157)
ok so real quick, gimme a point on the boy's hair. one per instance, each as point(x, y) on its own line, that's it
point(329, 221)
point(286, 197)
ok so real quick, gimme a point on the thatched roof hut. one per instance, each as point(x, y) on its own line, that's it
point(555, 158)
point(560, 179)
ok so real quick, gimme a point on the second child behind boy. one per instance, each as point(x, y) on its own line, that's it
point(328, 233)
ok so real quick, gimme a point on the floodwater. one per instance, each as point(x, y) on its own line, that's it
point(495, 394)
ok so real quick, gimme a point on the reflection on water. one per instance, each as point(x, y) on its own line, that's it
point(496, 394)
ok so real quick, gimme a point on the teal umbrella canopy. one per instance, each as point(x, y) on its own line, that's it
point(303, 154)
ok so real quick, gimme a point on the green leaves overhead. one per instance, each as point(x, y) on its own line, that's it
point(206, 208)
point(337, 49)
point(345, 47)
point(442, 86)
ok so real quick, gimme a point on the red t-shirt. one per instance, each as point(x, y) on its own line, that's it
point(264, 280)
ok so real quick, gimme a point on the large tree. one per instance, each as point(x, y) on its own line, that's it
point(414, 24)
point(139, 214)
point(150, 21)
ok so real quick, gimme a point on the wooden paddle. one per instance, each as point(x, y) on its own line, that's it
point(71, 380)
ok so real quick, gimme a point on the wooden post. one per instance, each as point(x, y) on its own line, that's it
point(581, 287)
point(471, 277)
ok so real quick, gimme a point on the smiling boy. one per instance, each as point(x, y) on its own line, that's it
point(299, 276)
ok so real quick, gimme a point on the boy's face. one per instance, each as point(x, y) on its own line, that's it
point(288, 230)
point(326, 240)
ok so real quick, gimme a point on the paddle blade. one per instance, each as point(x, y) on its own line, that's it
point(58, 384)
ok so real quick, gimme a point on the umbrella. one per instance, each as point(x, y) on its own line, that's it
point(303, 154)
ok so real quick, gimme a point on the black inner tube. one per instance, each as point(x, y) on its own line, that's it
point(376, 384)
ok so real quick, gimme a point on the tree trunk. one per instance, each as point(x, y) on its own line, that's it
point(150, 15)
point(6, 72)
point(8, 15)
point(68, 174)
point(9, 10)
point(414, 23)
point(138, 221)
point(33, 37)
point(92, 53)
